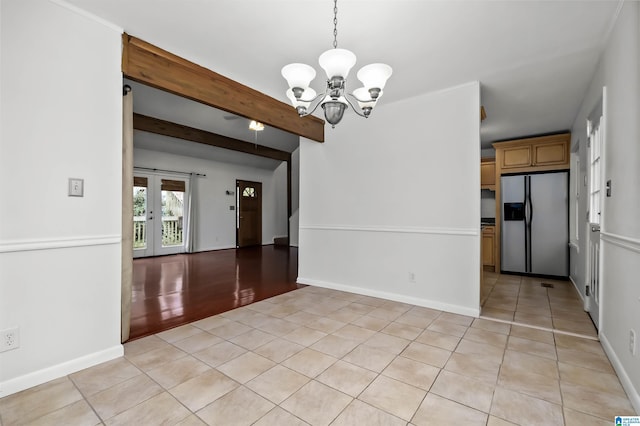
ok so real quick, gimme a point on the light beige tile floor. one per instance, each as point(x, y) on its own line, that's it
point(323, 357)
point(525, 300)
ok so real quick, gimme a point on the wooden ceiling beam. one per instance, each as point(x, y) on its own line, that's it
point(150, 65)
point(167, 128)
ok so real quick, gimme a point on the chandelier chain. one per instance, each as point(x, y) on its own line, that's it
point(335, 24)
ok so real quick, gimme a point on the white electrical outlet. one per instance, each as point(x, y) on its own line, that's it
point(9, 339)
point(412, 277)
point(632, 342)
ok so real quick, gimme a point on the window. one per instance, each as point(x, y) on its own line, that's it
point(596, 134)
point(574, 195)
point(249, 192)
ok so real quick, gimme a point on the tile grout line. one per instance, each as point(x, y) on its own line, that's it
point(537, 327)
point(84, 397)
point(162, 387)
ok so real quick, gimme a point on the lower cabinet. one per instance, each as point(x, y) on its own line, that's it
point(488, 247)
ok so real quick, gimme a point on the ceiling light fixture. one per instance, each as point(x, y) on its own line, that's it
point(334, 101)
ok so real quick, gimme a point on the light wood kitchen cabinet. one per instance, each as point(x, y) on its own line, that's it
point(488, 247)
point(553, 153)
point(533, 154)
point(517, 156)
point(488, 174)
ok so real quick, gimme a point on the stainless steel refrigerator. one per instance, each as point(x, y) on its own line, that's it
point(535, 224)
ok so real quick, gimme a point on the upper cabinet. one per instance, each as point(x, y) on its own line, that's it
point(488, 174)
point(534, 154)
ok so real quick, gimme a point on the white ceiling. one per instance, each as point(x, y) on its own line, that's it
point(534, 59)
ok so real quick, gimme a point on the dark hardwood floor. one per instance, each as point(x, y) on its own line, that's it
point(169, 291)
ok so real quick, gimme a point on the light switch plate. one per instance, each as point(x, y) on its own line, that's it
point(76, 187)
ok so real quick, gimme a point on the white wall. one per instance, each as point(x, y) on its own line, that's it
point(216, 223)
point(488, 152)
point(393, 195)
point(487, 203)
point(61, 114)
point(619, 71)
point(281, 214)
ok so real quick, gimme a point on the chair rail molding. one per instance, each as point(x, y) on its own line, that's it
point(394, 229)
point(58, 243)
point(628, 243)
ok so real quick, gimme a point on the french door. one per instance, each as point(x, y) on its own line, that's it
point(595, 173)
point(159, 225)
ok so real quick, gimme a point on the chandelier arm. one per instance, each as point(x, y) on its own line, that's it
point(320, 96)
point(356, 110)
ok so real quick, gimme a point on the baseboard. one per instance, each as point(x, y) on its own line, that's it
point(45, 375)
point(214, 248)
point(432, 304)
point(577, 289)
point(626, 382)
point(281, 241)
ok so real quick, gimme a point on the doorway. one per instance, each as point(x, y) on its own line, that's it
point(158, 214)
point(248, 213)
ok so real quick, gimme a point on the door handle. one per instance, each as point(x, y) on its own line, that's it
point(595, 228)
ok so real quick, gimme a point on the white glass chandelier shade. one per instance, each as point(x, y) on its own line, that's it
point(374, 76)
point(298, 75)
point(363, 97)
point(337, 62)
point(305, 100)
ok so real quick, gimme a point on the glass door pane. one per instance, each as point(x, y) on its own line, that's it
point(139, 217)
point(172, 218)
point(143, 215)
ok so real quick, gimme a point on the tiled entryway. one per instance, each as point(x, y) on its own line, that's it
point(317, 356)
point(539, 302)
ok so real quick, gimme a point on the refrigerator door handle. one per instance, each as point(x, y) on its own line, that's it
point(527, 224)
point(530, 206)
point(527, 200)
point(530, 202)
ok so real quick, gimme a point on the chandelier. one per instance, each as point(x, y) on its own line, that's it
point(335, 100)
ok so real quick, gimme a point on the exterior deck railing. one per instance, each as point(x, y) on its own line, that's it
point(171, 231)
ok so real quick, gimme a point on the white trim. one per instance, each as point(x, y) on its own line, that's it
point(88, 15)
point(456, 309)
point(626, 382)
point(577, 290)
point(628, 243)
point(394, 229)
point(45, 375)
point(48, 244)
point(215, 248)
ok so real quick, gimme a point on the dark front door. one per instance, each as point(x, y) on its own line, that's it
point(249, 218)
